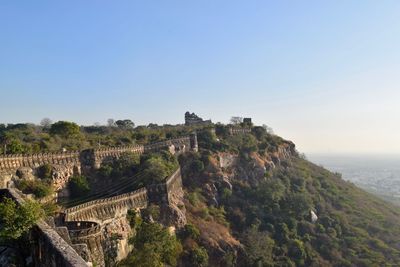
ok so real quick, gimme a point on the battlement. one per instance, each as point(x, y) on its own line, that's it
point(90, 157)
point(235, 131)
point(79, 231)
point(103, 209)
point(15, 161)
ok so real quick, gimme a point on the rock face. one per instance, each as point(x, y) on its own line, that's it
point(174, 214)
point(227, 160)
point(220, 176)
point(116, 236)
point(62, 173)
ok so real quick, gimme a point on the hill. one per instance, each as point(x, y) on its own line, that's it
point(253, 197)
point(250, 199)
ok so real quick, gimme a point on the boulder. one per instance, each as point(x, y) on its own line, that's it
point(25, 173)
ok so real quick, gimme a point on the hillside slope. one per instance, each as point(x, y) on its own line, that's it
point(251, 197)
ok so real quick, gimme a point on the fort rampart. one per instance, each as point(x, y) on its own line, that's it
point(89, 157)
point(101, 210)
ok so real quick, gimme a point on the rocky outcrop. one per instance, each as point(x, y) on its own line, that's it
point(62, 173)
point(25, 173)
point(116, 236)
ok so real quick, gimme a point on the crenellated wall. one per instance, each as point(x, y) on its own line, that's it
point(85, 221)
point(67, 164)
point(15, 161)
point(102, 210)
point(91, 156)
point(235, 131)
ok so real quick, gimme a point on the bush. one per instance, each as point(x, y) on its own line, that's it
point(198, 257)
point(154, 246)
point(78, 185)
point(45, 171)
point(15, 220)
point(39, 189)
point(191, 231)
point(157, 166)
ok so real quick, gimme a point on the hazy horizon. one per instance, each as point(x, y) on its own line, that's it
point(324, 75)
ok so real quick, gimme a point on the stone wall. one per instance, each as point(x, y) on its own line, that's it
point(101, 210)
point(235, 131)
point(85, 157)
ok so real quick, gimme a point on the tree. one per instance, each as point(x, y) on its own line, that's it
point(65, 129)
point(268, 129)
point(15, 219)
point(125, 124)
point(111, 123)
point(78, 185)
point(236, 120)
point(46, 123)
point(198, 257)
point(5, 139)
point(258, 246)
point(154, 247)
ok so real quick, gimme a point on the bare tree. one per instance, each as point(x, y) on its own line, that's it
point(111, 123)
point(236, 120)
point(268, 129)
point(46, 123)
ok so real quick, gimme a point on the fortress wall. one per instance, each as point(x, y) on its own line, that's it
point(87, 238)
point(86, 221)
point(101, 210)
point(88, 157)
point(235, 131)
point(174, 184)
point(48, 248)
point(15, 161)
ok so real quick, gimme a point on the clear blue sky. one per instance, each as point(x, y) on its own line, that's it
point(324, 74)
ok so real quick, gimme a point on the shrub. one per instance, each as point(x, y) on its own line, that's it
point(39, 189)
point(45, 171)
point(191, 231)
point(154, 246)
point(78, 185)
point(15, 220)
point(198, 257)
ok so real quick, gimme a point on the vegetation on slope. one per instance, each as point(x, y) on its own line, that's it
point(270, 215)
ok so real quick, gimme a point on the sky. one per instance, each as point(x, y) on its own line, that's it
point(324, 74)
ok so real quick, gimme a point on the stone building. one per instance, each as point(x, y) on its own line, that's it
point(193, 119)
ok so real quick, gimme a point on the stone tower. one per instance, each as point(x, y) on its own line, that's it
point(193, 142)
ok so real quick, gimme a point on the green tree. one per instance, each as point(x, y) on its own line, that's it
point(15, 147)
point(78, 185)
point(258, 246)
point(65, 129)
point(15, 220)
point(198, 257)
point(154, 247)
point(125, 124)
point(45, 171)
point(38, 188)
